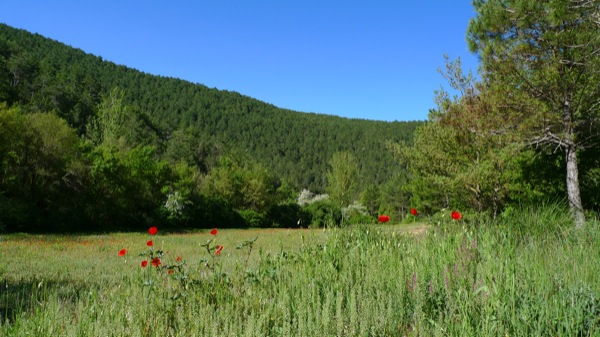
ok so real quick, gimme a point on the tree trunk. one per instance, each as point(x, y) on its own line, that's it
point(573, 188)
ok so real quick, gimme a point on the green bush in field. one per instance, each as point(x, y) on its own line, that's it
point(324, 213)
point(253, 218)
point(288, 215)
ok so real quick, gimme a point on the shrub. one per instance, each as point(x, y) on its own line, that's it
point(356, 213)
point(306, 197)
point(288, 215)
point(324, 213)
point(253, 218)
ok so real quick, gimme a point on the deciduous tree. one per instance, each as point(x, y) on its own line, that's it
point(342, 178)
point(465, 155)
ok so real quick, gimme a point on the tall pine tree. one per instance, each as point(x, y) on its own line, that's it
point(544, 56)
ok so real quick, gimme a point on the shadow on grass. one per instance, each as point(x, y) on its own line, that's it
point(25, 298)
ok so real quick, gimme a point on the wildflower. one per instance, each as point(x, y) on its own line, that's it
point(214, 231)
point(152, 230)
point(218, 251)
point(456, 215)
point(170, 271)
point(144, 264)
point(414, 212)
point(149, 243)
point(383, 218)
point(178, 259)
point(122, 252)
point(155, 262)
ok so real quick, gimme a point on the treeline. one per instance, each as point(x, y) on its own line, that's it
point(43, 75)
point(87, 144)
point(90, 145)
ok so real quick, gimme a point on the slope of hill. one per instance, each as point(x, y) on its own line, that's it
point(45, 75)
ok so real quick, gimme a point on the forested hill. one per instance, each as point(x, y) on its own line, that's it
point(41, 74)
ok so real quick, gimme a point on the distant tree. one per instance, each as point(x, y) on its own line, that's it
point(106, 127)
point(342, 178)
point(185, 121)
point(395, 195)
point(41, 170)
point(371, 198)
point(541, 57)
point(244, 184)
point(259, 189)
point(226, 180)
point(13, 140)
point(463, 157)
point(128, 187)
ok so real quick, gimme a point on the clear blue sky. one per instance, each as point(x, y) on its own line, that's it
point(359, 59)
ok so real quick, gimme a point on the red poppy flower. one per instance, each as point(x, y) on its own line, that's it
point(178, 259)
point(149, 243)
point(170, 271)
point(155, 262)
point(383, 218)
point(455, 215)
point(122, 252)
point(152, 230)
point(414, 212)
point(144, 264)
point(214, 231)
point(219, 249)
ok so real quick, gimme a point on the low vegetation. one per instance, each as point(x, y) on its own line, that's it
point(527, 274)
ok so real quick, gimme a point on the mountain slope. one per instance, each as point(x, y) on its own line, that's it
point(45, 75)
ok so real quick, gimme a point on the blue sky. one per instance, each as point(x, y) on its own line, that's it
point(359, 59)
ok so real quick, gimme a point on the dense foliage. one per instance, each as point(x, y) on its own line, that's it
point(527, 130)
point(541, 58)
point(86, 143)
point(133, 148)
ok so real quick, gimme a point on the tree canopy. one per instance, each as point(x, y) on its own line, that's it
point(133, 148)
point(45, 75)
point(534, 111)
point(542, 58)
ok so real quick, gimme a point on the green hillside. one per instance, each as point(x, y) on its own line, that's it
point(88, 144)
point(51, 76)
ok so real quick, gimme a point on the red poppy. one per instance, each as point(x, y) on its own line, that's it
point(383, 218)
point(152, 230)
point(170, 271)
point(149, 243)
point(144, 264)
point(214, 231)
point(414, 212)
point(456, 216)
point(122, 252)
point(178, 259)
point(219, 249)
point(155, 262)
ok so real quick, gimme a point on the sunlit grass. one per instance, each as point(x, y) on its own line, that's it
point(384, 280)
point(31, 256)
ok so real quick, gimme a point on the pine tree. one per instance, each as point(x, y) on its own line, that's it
point(544, 57)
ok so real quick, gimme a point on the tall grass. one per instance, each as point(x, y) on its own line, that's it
point(500, 278)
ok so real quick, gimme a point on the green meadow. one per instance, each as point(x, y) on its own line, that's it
point(481, 221)
point(528, 275)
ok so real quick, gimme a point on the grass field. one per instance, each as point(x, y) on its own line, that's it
point(526, 277)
